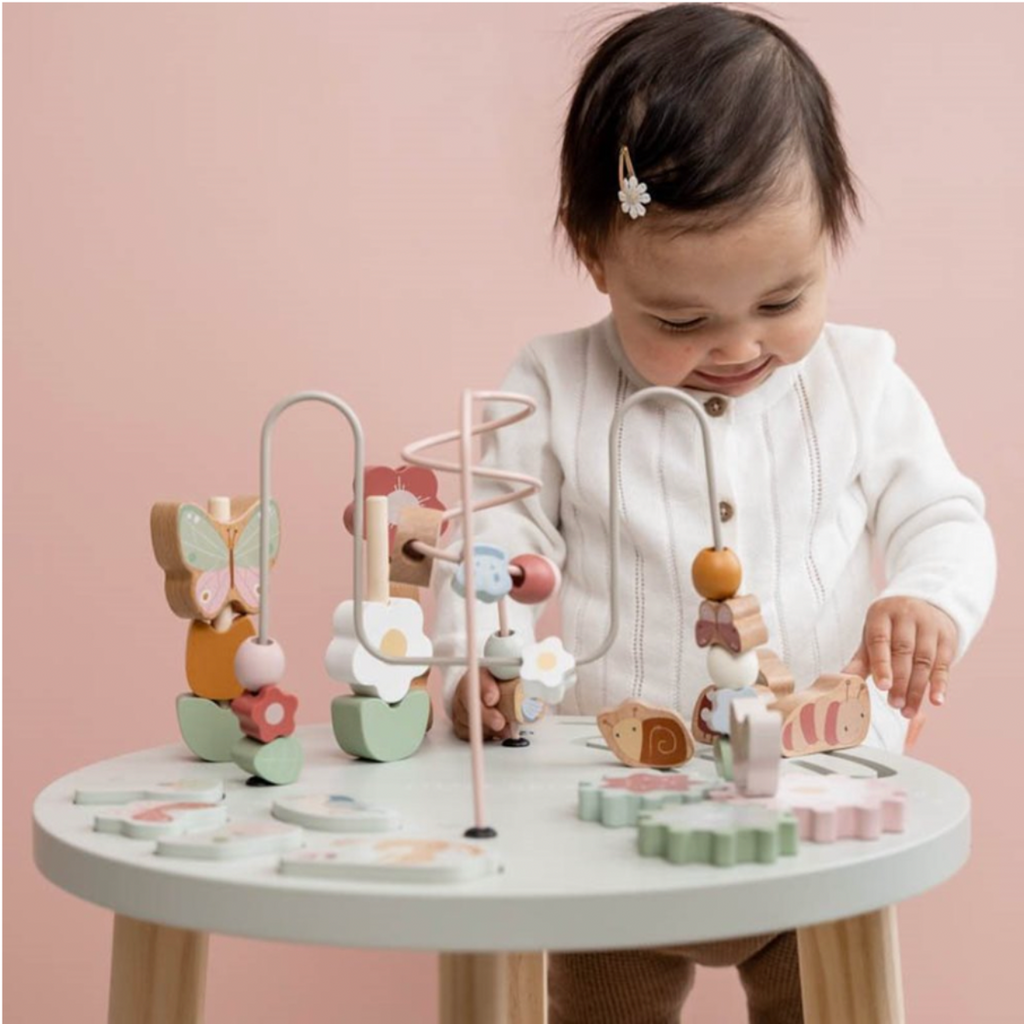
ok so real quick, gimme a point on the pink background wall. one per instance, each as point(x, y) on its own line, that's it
point(208, 207)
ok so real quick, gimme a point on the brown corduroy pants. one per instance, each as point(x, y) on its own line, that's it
point(649, 986)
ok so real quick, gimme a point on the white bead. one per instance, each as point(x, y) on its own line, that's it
point(504, 647)
point(730, 671)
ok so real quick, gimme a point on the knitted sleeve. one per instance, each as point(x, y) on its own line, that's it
point(927, 518)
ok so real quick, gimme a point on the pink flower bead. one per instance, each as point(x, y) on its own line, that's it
point(258, 665)
point(540, 579)
point(266, 715)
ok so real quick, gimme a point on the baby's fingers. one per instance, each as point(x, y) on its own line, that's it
point(922, 662)
point(940, 673)
point(878, 640)
point(904, 643)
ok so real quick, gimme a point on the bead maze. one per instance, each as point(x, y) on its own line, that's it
point(217, 567)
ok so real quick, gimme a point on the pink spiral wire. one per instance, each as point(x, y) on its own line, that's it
point(467, 471)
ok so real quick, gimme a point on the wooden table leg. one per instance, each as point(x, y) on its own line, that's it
point(157, 974)
point(494, 988)
point(850, 970)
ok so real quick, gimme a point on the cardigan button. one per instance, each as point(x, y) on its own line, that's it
point(726, 511)
point(716, 406)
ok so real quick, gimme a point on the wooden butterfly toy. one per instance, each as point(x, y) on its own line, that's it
point(211, 564)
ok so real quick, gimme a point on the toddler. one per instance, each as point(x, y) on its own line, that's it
point(705, 188)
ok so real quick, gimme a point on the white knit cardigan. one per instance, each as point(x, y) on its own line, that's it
point(832, 459)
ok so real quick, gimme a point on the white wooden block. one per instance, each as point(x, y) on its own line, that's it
point(157, 819)
point(335, 812)
point(396, 628)
point(756, 735)
point(406, 859)
point(234, 841)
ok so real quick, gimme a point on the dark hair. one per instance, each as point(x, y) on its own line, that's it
point(715, 104)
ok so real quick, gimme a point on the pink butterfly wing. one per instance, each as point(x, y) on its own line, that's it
point(211, 591)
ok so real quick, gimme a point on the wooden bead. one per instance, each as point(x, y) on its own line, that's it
point(267, 715)
point(258, 665)
point(540, 579)
point(736, 624)
point(516, 707)
point(415, 524)
point(717, 574)
point(730, 671)
point(498, 646)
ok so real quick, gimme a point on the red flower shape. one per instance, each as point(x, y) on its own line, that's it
point(404, 486)
point(647, 783)
point(267, 714)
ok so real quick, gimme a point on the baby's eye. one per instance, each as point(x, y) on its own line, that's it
point(782, 307)
point(677, 327)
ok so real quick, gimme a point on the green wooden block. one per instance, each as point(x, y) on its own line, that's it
point(367, 727)
point(722, 834)
point(617, 802)
point(209, 729)
point(278, 762)
point(723, 757)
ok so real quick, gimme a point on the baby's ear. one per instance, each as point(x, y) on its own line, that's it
point(596, 269)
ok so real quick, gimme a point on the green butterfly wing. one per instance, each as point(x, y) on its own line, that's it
point(247, 547)
point(202, 547)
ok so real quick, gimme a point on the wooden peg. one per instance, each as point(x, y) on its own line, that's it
point(415, 524)
point(377, 549)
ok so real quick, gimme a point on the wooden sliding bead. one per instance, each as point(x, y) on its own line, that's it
point(736, 624)
point(258, 665)
point(415, 524)
point(498, 646)
point(515, 706)
point(539, 580)
point(730, 671)
point(266, 715)
point(717, 574)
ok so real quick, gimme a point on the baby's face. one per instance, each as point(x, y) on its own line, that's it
point(719, 310)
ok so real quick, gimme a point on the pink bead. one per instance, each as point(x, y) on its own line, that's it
point(540, 579)
point(258, 665)
point(266, 715)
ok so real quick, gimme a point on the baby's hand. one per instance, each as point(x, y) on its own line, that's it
point(492, 720)
point(908, 645)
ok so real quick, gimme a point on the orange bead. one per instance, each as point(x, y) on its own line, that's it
point(717, 574)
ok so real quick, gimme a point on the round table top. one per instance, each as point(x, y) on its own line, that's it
point(566, 884)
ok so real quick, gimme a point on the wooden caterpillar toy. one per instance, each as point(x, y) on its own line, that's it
point(833, 713)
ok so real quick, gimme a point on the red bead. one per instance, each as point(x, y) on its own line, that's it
point(540, 579)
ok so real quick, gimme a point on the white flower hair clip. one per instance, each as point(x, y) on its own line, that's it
point(633, 194)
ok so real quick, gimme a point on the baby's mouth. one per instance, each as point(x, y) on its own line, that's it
point(738, 378)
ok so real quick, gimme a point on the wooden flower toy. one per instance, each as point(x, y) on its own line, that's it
point(404, 487)
point(395, 626)
point(491, 578)
point(548, 670)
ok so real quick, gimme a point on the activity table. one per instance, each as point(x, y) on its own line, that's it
point(565, 884)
